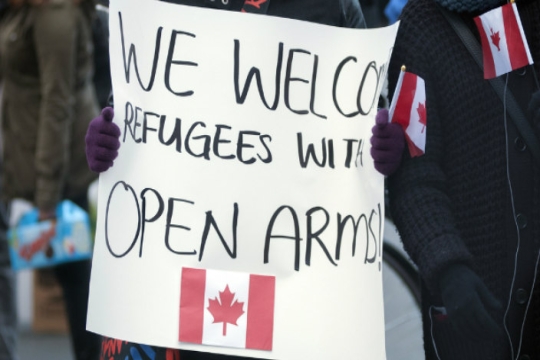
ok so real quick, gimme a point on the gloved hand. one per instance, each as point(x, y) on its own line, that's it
point(102, 141)
point(387, 144)
point(467, 301)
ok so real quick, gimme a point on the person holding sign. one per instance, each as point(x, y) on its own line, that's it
point(102, 139)
point(468, 209)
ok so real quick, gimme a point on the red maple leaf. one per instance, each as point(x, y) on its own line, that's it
point(225, 310)
point(421, 109)
point(495, 39)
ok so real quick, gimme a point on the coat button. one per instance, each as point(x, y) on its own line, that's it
point(524, 357)
point(522, 72)
point(519, 144)
point(521, 296)
point(521, 221)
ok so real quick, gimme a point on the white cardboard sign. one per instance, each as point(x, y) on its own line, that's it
point(245, 149)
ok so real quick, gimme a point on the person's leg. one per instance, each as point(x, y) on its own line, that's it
point(74, 278)
point(8, 309)
point(8, 314)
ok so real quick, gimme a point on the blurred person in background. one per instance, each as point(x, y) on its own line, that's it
point(8, 308)
point(374, 12)
point(48, 99)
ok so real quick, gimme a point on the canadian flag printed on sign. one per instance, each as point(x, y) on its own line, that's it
point(504, 45)
point(225, 308)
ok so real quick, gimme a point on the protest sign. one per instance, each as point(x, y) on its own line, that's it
point(243, 186)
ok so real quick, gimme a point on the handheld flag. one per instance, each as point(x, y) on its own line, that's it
point(226, 308)
point(408, 108)
point(504, 45)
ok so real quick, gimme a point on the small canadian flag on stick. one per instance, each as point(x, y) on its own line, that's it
point(408, 108)
point(225, 308)
point(504, 45)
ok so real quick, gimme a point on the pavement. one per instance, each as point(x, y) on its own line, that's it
point(402, 321)
point(39, 346)
point(402, 316)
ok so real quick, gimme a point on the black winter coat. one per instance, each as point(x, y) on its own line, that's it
point(474, 197)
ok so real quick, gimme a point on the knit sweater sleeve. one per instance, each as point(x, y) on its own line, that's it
point(419, 203)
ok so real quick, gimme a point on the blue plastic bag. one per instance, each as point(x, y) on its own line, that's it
point(37, 244)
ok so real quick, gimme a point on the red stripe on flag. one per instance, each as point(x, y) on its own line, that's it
point(193, 285)
point(402, 112)
point(514, 41)
point(260, 318)
point(489, 63)
point(414, 150)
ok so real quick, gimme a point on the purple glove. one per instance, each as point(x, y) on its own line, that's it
point(102, 142)
point(387, 144)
